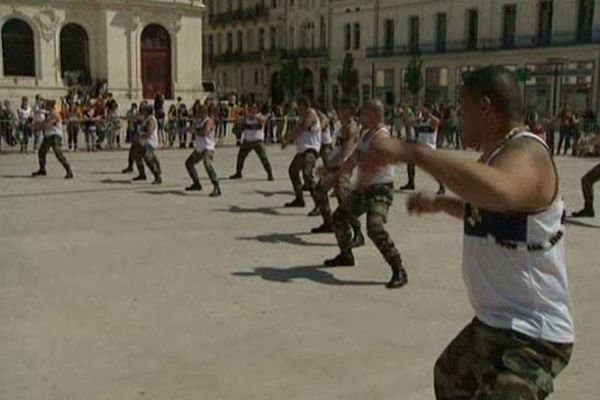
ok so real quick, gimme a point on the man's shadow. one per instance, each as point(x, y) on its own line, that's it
point(291, 238)
point(163, 192)
point(272, 211)
point(269, 193)
point(315, 273)
point(9, 176)
point(119, 181)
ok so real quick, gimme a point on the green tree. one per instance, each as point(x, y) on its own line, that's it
point(348, 78)
point(291, 77)
point(414, 77)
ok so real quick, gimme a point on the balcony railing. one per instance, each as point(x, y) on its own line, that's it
point(319, 52)
point(515, 43)
point(238, 57)
point(252, 13)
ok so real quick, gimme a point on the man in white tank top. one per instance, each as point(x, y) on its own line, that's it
point(373, 195)
point(307, 136)
point(514, 263)
point(52, 128)
point(149, 142)
point(24, 120)
point(326, 148)
point(253, 140)
point(426, 128)
point(347, 139)
point(203, 128)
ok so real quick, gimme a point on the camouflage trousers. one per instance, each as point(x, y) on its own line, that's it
point(53, 142)
point(259, 148)
point(144, 153)
point(485, 363)
point(587, 186)
point(206, 156)
point(342, 189)
point(325, 152)
point(375, 201)
point(303, 163)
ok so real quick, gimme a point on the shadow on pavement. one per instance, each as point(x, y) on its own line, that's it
point(121, 181)
point(161, 192)
point(107, 173)
point(258, 210)
point(315, 273)
point(576, 222)
point(269, 193)
point(291, 238)
point(16, 176)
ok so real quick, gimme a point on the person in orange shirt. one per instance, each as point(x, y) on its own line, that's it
point(72, 117)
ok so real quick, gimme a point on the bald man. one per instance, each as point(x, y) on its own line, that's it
point(514, 263)
point(373, 195)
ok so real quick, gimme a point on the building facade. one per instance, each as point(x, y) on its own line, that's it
point(247, 42)
point(552, 45)
point(139, 47)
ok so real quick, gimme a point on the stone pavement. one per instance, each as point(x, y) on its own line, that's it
point(112, 290)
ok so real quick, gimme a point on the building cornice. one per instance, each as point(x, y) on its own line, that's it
point(192, 7)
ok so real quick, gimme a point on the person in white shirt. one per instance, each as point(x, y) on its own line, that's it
point(149, 144)
point(53, 135)
point(24, 120)
point(39, 115)
point(514, 263)
point(253, 140)
point(203, 128)
point(307, 136)
point(426, 128)
point(373, 195)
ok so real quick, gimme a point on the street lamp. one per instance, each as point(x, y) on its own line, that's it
point(556, 61)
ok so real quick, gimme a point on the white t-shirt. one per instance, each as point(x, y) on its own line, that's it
point(426, 134)
point(386, 173)
point(39, 113)
point(311, 138)
point(54, 130)
point(253, 130)
point(207, 142)
point(23, 114)
point(152, 140)
point(514, 267)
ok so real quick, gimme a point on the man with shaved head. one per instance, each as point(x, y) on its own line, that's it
point(373, 195)
point(514, 263)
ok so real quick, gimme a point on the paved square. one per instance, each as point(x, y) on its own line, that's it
point(112, 290)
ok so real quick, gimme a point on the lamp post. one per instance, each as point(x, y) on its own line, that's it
point(556, 62)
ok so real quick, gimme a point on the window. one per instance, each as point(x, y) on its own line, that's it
point(388, 34)
point(261, 39)
point(347, 36)
point(323, 33)
point(211, 45)
point(18, 51)
point(356, 42)
point(440, 32)
point(273, 38)
point(509, 26)
point(472, 28)
point(585, 20)
point(240, 42)
point(414, 34)
point(545, 23)
point(74, 53)
point(229, 42)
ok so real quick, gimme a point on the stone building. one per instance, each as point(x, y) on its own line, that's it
point(138, 46)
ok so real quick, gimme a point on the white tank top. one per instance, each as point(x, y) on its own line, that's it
point(426, 134)
point(386, 173)
point(253, 130)
point(515, 270)
point(310, 139)
point(326, 137)
point(204, 142)
point(152, 140)
point(54, 130)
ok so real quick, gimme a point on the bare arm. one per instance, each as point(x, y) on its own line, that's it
point(348, 147)
point(208, 128)
point(521, 178)
point(428, 203)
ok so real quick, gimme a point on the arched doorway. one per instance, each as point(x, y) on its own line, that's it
point(277, 92)
point(18, 48)
point(74, 55)
point(307, 87)
point(156, 62)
